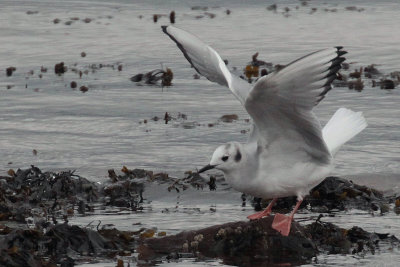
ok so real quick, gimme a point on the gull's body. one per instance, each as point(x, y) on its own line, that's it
point(288, 152)
point(274, 174)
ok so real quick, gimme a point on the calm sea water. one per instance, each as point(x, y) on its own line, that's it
point(102, 128)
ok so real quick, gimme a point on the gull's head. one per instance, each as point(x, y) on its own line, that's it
point(225, 158)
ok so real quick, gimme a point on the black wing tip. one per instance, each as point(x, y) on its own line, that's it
point(336, 61)
point(164, 28)
point(333, 69)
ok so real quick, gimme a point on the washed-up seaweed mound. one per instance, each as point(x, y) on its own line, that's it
point(240, 243)
point(255, 243)
point(31, 192)
point(27, 192)
point(125, 190)
point(39, 199)
point(338, 193)
point(335, 194)
point(335, 240)
point(59, 244)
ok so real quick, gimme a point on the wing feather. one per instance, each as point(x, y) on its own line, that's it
point(281, 103)
point(206, 61)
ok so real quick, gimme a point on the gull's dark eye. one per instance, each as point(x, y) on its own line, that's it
point(225, 158)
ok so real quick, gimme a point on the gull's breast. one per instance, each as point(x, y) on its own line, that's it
point(280, 180)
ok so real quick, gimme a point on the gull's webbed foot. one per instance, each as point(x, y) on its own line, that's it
point(282, 224)
point(263, 213)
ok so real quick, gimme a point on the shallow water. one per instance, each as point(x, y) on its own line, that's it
point(102, 128)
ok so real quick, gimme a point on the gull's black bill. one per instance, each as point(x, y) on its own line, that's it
point(206, 168)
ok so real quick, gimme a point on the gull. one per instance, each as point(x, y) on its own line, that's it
point(288, 152)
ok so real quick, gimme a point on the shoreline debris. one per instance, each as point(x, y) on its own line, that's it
point(41, 202)
point(152, 77)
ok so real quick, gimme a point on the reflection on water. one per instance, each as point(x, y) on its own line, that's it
point(103, 128)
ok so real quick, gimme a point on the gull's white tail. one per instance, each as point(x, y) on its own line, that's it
point(344, 125)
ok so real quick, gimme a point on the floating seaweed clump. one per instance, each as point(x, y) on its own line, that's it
point(152, 77)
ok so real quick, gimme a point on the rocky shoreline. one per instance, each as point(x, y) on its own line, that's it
point(35, 208)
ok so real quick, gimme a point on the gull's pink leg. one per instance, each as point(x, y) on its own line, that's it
point(282, 222)
point(263, 213)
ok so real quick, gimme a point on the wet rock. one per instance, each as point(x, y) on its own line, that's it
point(255, 243)
point(87, 20)
point(56, 21)
point(120, 67)
point(10, 70)
point(60, 68)
point(229, 118)
point(228, 12)
point(83, 54)
point(240, 243)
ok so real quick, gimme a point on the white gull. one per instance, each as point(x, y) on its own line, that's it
point(288, 152)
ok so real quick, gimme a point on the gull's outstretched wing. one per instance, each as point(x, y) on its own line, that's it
point(207, 62)
point(281, 103)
